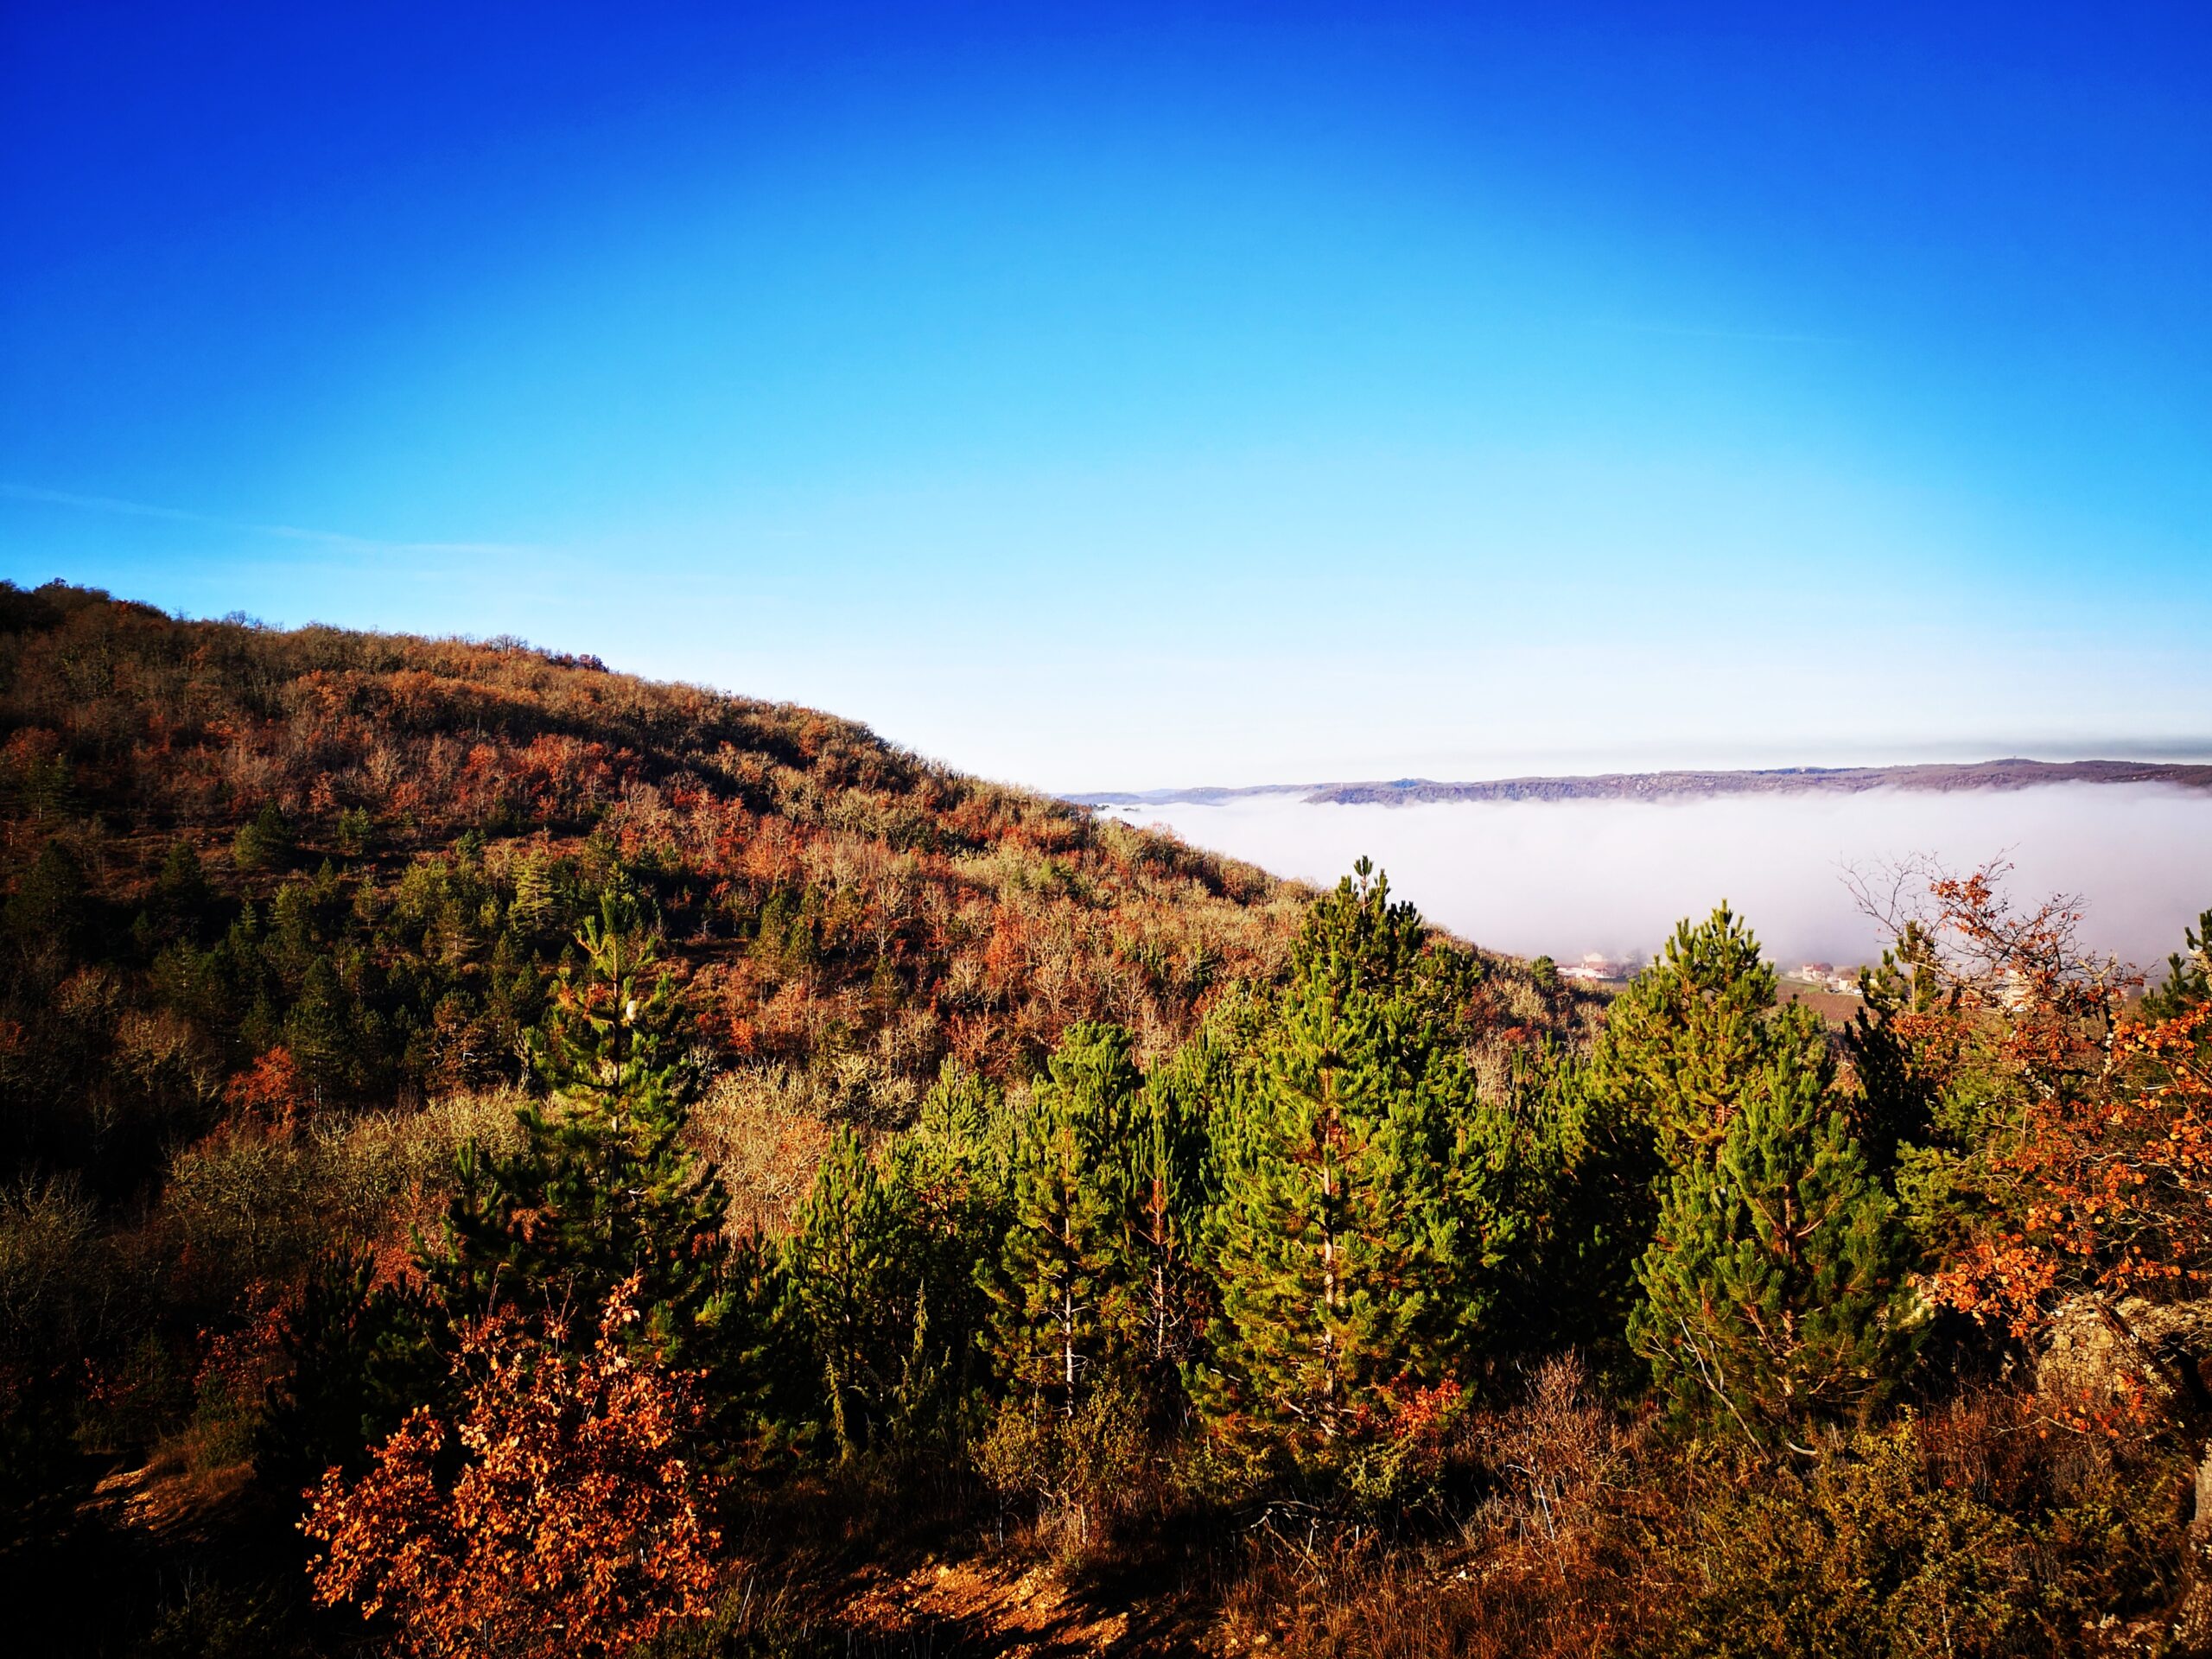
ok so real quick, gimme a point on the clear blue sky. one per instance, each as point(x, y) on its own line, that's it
point(1110, 396)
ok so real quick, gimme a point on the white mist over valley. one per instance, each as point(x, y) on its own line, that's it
point(1565, 877)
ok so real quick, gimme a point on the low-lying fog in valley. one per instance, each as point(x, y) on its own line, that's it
point(1565, 877)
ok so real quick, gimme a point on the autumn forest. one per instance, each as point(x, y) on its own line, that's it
point(499, 1157)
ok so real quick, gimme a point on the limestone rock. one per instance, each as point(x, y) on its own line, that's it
point(2101, 1350)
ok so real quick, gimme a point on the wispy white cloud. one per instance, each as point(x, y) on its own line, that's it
point(289, 532)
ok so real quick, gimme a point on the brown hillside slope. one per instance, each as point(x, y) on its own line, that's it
point(394, 836)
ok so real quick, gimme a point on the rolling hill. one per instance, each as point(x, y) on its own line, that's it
point(366, 852)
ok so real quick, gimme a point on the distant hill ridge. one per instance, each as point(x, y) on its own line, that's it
point(1939, 777)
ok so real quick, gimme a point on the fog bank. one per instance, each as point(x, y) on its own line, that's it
point(1567, 877)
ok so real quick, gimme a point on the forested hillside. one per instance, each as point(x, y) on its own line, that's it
point(338, 868)
point(504, 1157)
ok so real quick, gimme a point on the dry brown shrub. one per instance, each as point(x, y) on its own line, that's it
point(1417, 1605)
point(1558, 1458)
point(378, 1172)
point(765, 1130)
point(1548, 1564)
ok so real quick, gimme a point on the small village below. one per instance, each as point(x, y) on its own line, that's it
point(1594, 968)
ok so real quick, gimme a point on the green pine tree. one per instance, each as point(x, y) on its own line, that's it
point(49, 916)
point(603, 1187)
point(1063, 1312)
point(881, 1274)
point(1689, 1034)
point(1775, 1293)
point(265, 841)
point(2188, 983)
point(181, 901)
point(1356, 1237)
point(858, 1281)
point(1659, 1089)
point(531, 910)
point(1583, 1193)
point(949, 1174)
point(319, 1031)
point(1168, 1181)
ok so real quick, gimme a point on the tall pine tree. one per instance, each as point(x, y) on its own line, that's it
point(1357, 1236)
point(1584, 1191)
point(603, 1187)
point(860, 1297)
point(1165, 1299)
point(1661, 1084)
point(1063, 1314)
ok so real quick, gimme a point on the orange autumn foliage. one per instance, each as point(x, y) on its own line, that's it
point(575, 1525)
point(2099, 1177)
point(2118, 1182)
point(270, 1090)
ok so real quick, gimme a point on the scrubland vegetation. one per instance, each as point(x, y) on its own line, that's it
point(502, 1158)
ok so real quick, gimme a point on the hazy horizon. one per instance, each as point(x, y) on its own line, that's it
point(1568, 766)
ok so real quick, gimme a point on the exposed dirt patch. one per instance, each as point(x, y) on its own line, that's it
point(982, 1609)
point(167, 1498)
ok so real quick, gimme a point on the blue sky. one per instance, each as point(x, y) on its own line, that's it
point(1115, 396)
